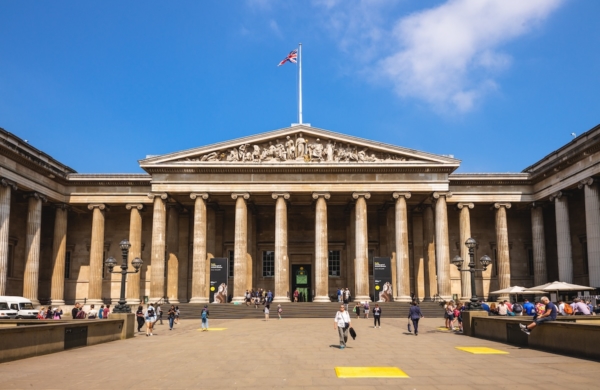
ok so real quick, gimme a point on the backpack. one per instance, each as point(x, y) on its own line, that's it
point(204, 314)
point(151, 312)
point(80, 315)
point(517, 308)
point(568, 309)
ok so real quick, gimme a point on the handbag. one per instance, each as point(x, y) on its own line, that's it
point(409, 327)
point(346, 325)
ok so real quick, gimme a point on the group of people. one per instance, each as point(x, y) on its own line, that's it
point(343, 295)
point(78, 312)
point(154, 314)
point(453, 315)
point(50, 313)
point(258, 297)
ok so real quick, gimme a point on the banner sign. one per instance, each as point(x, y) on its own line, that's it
point(219, 272)
point(382, 276)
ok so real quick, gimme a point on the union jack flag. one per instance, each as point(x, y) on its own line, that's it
point(290, 57)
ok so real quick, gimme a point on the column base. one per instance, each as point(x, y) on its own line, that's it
point(281, 300)
point(427, 299)
point(403, 298)
point(241, 299)
point(93, 302)
point(465, 299)
point(446, 297)
point(321, 299)
point(57, 302)
point(154, 300)
point(131, 301)
point(362, 298)
point(198, 300)
point(174, 301)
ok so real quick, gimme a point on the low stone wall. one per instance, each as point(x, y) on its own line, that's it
point(577, 336)
point(26, 338)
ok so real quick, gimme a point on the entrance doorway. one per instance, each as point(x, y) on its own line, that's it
point(301, 280)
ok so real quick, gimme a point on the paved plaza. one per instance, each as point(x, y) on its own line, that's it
point(297, 353)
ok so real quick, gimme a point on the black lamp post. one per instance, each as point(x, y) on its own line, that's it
point(122, 307)
point(485, 262)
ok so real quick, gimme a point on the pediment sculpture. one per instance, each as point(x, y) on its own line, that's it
point(297, 148)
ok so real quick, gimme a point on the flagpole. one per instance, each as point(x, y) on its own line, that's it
point(300, 83)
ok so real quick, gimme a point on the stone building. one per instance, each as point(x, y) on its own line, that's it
point(298, 199)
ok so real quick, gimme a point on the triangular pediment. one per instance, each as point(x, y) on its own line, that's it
point(298, 145)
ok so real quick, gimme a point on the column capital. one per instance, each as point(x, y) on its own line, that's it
point(502, 204)
point(284, 195)
point(162, 195)
point(244, 195)
point(396, 195)
point(468, 205)
point(8, 183)
point(203, 195)
point(99, 206)
point(534, 205)
point(557, 195)
point(36, 195)
point(366, 195)
point(437, 195)
point(325, 195)
point(586, 182)
point(130, 206)
point(61, 206)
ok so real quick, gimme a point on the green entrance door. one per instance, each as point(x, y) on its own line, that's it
point(301, 280)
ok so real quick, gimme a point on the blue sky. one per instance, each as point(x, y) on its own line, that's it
point(497, 83)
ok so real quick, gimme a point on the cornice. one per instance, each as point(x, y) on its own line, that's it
point(289, 168)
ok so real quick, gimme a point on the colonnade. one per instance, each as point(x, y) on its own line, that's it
point(434, 252)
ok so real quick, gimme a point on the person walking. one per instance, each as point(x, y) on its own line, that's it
point(377, 316)
point(414, 314)
point(177, 315)
point(345, 298)
point(159, 313)
point(339, 294)
point(367, 308)
point(357, 310)
point(204, 318)
point(139, 315)
point(342, 323)
point(279, 311)
point(150, 317)
point(266, 310)
point(450, 315)
point(171, 317)
point(296, 294)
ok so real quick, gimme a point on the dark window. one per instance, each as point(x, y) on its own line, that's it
point(585, 258)
point(530, 260)
point(495, 262)
point(231, 263)
point(268, 264)
point(104, 267)
point(370, 254)
point(11, 261)
point(334, 263)
point(67, 265)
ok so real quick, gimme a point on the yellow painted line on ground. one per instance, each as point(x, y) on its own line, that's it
point(443, 329)
point(210, 329)
point(482, 350)
point(370, 372)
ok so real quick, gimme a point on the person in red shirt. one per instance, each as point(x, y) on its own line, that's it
point(509, 305)
point(106, 312)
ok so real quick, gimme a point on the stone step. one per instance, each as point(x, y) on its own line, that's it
point(299, 310)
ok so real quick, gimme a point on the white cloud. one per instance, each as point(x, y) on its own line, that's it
point(447, 55)
point(275, 28)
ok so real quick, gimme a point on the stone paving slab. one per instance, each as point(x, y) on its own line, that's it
point(296, 354)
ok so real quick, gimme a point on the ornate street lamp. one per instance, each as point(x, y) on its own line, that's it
point(485, 262)
point(122, 306)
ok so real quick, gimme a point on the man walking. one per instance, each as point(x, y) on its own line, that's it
point(549, 314)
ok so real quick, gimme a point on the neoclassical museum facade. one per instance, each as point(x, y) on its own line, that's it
point(298, 199)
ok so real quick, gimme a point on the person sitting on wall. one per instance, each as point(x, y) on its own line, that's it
point(549, 314)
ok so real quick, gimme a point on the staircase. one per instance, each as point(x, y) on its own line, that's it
point(300, 310)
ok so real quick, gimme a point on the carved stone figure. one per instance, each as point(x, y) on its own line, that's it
point(329, 150)
point(300, 146)
point(233, 155)
point(291, 148)
point(316, 151)
point(213, 156)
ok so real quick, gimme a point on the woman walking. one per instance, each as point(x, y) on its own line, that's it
point(204, 317)
point(366, 307)
point(357, 310)
point(450, 315)
point(139, 315)
point(150, 317)
point(279, 311)
point(415, 315)
point(177, 315)
point(342, 323)
point(377, 316)
point(266, 312)
point(171, 316)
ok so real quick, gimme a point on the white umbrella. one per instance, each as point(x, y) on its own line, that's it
point(560, 286)
point(516, 290)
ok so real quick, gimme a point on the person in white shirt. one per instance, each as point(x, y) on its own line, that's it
point(561, 308)
point(93, 313)
point(342, 324)
point(502, 309)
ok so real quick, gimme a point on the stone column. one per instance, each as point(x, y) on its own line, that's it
point(418, 256)
point(240, 260)
point(32, 246)
point(442, 247)
point(540, 272)
point(321, 248)
point(59, 251)
point(96, 254)
point(5, 192)
point(135, 239)
point(502, 247)
point(592, 228)
point(391, 245)
point(563, 237)
point(465, 233)
point(173, 253)
point(200, 279)
point(429, 253)
point(361, 264)
point(157, 254)
point(282, 261)
point(402, 293)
